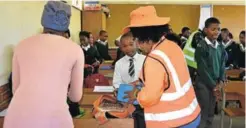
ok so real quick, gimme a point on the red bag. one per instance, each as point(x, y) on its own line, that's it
point(96, 80)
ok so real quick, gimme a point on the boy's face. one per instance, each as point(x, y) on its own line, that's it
point(225, 35)
point(187, 33)
point(84, 40)
point(104, 36)
point(242, 38)
point(213, 31)
point(128, 46)
point(91, 39)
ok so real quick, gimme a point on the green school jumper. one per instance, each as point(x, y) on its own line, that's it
point(210, 63)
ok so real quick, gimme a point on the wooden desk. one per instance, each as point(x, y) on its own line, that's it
point(89, 97)
point(88, 121)
point(235, 90)
point(233, 73)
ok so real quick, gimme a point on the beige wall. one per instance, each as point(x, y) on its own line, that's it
point(20, 20)
point(181, 15)
point(231, 17)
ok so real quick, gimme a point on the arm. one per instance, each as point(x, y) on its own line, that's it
point(15, 74)
point(98, 57)
point(77, 75)
point(200, 57)
point(154, 86)
point(117, 80)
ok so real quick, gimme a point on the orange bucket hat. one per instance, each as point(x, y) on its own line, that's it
point(145, 16)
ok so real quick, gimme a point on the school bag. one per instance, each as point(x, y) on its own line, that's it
point(93, 80)
point(107, 106)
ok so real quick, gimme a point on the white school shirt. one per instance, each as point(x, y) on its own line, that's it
point(121, 75)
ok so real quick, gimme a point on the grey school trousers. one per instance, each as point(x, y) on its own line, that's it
point(207, 102)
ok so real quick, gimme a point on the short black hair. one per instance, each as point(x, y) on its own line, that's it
point(184, 29)
point(129, 34)
point(102, 31)
point(84, 33)
point(224, 30)
point(148, 33)
point(242, 32)
point(210, 21)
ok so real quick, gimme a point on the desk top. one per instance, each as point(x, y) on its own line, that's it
point(235, 86)
point(233, 72)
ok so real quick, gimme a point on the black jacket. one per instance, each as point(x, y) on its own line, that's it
point(103, 51)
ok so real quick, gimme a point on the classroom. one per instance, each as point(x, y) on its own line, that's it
point(122, 64)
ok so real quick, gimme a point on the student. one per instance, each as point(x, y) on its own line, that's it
point(241, 51)
point(210, 58)
point(43, 67)
point(127, 70)
point(230, 47)
point(119, 53)
point(92, 57)
point(189, 51)
point(102, 45)
point(184, 36)
point(167, 95)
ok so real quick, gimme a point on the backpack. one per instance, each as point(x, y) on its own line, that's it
point(96, 80)
point(106, 106)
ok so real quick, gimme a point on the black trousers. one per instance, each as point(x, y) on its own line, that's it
point(207, 102)
point(138, 116)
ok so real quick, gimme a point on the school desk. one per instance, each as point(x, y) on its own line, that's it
point(233, 73)
point(88, 121)
point(89, 97)
point(234, 90)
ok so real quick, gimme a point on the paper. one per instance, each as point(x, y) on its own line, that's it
point(103, 89)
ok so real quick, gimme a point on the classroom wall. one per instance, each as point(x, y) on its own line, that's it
point(181, 15)
point(231, 17)
point(20, 20)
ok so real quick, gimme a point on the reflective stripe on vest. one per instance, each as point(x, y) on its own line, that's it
point(190, 52)
point(173, 114)
point(181, 91)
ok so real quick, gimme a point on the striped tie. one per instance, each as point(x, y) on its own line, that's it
point(131, 70)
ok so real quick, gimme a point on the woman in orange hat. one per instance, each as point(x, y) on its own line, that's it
point(168, 97)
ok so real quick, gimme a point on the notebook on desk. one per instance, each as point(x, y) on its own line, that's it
point(105, 67)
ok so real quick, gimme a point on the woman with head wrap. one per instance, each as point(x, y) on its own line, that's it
point(43, 67)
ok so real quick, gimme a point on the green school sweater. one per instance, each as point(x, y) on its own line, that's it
point(210, 63)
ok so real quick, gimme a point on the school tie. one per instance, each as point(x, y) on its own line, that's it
point(131, 70)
